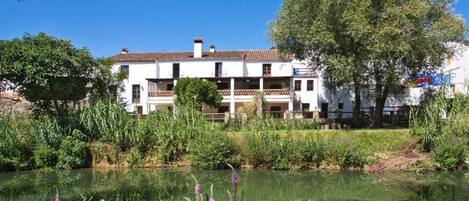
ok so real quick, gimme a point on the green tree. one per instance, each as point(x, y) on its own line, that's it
point(50, 72)
point(105, 85)
point(368, 43)
point(195, 92)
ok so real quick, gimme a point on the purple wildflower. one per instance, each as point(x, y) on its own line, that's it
point(197, 191)
point(212, 199)
point(234, 182)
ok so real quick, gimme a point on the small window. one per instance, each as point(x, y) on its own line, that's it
point(139, 110)
point(305, 107)
point(136, 93)
point(297, 85)
point(218, 69)
point(169, 87)
point(310, 85)
point(223, 86)
point(124, 69)
point(341, 106)
point(175, 70)
point(223, 109)
point(267, 70)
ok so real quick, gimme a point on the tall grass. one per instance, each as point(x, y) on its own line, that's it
point(107, 121)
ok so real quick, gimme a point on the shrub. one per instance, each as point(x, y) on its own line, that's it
point(73, 153)
point(211, 150)
point(135, 158)
point(269, 149)
point(44, 156)
point(15, 153)
point(314, 151)
point(104, 152)
point(348, 155)
point(449, 154)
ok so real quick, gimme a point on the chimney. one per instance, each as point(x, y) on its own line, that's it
point(212, 48)
point(198, 41)
point(125, 50)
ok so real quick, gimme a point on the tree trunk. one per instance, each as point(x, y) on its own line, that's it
point(379, 107)
point(356, 108)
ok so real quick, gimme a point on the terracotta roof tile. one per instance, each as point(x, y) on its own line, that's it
point(247, 55)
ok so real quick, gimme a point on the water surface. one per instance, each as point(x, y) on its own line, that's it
point(254, 185)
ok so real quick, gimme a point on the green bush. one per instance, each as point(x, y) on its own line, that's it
point(314, 151)
point(348, 155)
point(73, 153)
point(15, 151)
point(449, 154)
point(135, 158)
point(212, 150)
point(45, 157)
point(269, 149)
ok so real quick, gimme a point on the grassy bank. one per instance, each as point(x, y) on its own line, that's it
point(104, 135)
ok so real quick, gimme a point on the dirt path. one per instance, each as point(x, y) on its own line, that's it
point(409, 156)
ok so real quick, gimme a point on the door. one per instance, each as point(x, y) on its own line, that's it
point(324, 110)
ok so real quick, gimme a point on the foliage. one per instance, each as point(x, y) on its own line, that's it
point(348, 155)
point(374, 40)
point(175, 132)
point(45, 157)
point(50, 71)
point(255, 108)
point(314, 151)
point(195, 92)
point(449, 154)
point(108, 121)
point(73, 153)
point(211, 150)
point(135, 158)
point(428, 122)
point(105, 85)
point(15, 153)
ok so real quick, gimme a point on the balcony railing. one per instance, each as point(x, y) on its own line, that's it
point(226, 92)
point(276, 92)
point(154, 94)
point(237, 92)
point(245, 92)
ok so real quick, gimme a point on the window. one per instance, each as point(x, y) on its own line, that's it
point(267, 70)
point(341, 106)
point(169, 87)
point(275, 86)
point(275, 108)
point(310, 85)
point(297, 85)
point(305, 107)
point(218, 69)
point(223, 109)
point(139, 109)
point(124, 69)
point(175, 70)
point(223, 86)
point(136, 93)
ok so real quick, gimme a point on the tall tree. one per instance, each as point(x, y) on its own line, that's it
point(373, 43)
point(49, 72)
point(331, 35)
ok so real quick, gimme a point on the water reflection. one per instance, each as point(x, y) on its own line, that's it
point(144, 184)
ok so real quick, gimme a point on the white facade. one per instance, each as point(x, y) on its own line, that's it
point(289, 85)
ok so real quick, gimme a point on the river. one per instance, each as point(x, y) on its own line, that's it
point(254, 185)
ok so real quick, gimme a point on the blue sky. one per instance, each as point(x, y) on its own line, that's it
point(106, 26)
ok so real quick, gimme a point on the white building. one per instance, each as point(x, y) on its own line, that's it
point(288, 84)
